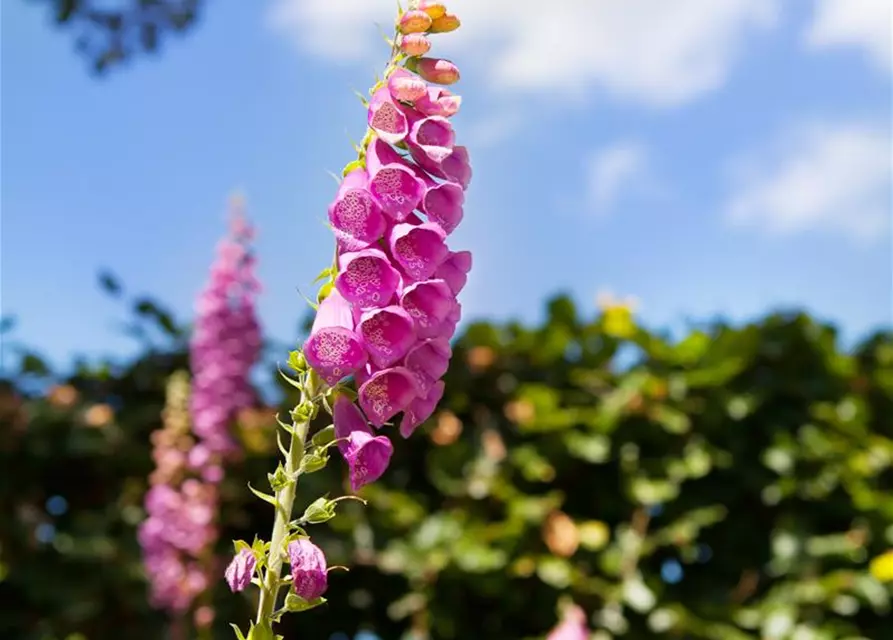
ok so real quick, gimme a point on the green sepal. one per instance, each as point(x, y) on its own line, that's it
point(238, 631)
point(297, 361)
point(295, 603)
point(351, 166)
point(297, 384)
point(279, 479)
point(324, 291)
point(314, 461)
point(324, 437)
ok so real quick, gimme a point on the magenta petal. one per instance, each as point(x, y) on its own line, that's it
point(442, 203)
point(367, 457)
point(428, 361)
point(438, 101)
point(348, 419)
point(308, 569)
point(386, 118)
point(432, 135)
point(455, 167)
point(241, 570)
point(454, 270)
point(428, 302)
point(421, 409)
point(355, 217)
point(387, 334)
point(418, 249)
point(366, 278)
point(387, 393)
point(393, 184)
point(448, 328)
point(334, 349)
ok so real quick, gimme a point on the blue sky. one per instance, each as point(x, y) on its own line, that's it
point(709, 157)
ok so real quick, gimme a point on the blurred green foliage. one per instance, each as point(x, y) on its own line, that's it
point(731, 485)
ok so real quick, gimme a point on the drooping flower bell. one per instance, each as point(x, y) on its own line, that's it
point(309, 571)
point(367, 455)
point(334, 349)
point(241, 570)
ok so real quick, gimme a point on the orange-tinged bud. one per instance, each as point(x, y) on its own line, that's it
point(414, 21)
point(415, 44)
point(444, 24)
point(433, 8)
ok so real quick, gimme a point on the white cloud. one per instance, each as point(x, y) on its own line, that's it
point(833, 178)
point(649, 51)
point(860, 23)
point(612, 170)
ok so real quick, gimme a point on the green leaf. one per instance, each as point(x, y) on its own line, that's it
point(238, 631)
point(263, 496)
point(313, 461)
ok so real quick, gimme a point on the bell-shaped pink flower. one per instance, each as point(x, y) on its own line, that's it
point(438, 70)
point(387, 334)
point(366, 278)
point(240, 571)
point(442, 203)
point(415, 44)
point(386, 118)
point(309, 574)
point(429, 302)
point(421, 409)
point(394, 184)
point(355, 217)
point(454, 270)
point(429, 361)
point(406, 86)
point(367, 455)
point(386, 393)
point(455, 167)
point(418, 248)
point(438, 101)
point(432, 135)
point(334, 349)
point(448, 328)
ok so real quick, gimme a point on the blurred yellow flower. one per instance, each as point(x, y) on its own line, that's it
point(594, 534)
point(617, 315)
point(882, 567)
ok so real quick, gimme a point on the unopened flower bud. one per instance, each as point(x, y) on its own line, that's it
point(438, 70)
point(241, 570)
point(415, 44)
point(444, 24)
point(308, 569)
point(433, 8)
point(414, 21)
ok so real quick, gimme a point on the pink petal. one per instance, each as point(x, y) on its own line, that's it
point(387, 393)
point(387, 334)
point(366, 278)
point(418, 249)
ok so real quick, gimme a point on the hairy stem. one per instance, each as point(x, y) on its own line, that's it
point(285, 500)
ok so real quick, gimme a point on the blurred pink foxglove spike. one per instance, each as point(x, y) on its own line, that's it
point(355, 217)
point(386, 118)
point(387, 334)
point(421, 409)
point(429, 302)
point(429, 361)
point(418, 249)
point(334, 349)
point(366, 278)
point(367, 455)
point(386, 393)
point(393, 184)
point(309, 571)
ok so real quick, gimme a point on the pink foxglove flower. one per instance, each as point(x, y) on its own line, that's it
point(308, 569)
point(334, 348)
point(367, 455)
point(571, 627)
point(355, 217)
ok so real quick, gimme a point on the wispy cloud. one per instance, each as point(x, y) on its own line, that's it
point(612, 171)
point(854, 23)
point(826, 177)
point(651, 52)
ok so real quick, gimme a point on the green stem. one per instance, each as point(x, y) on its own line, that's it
point(285, 500)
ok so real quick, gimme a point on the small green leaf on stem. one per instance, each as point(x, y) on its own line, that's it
point(238, 631)
point(263, 496)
